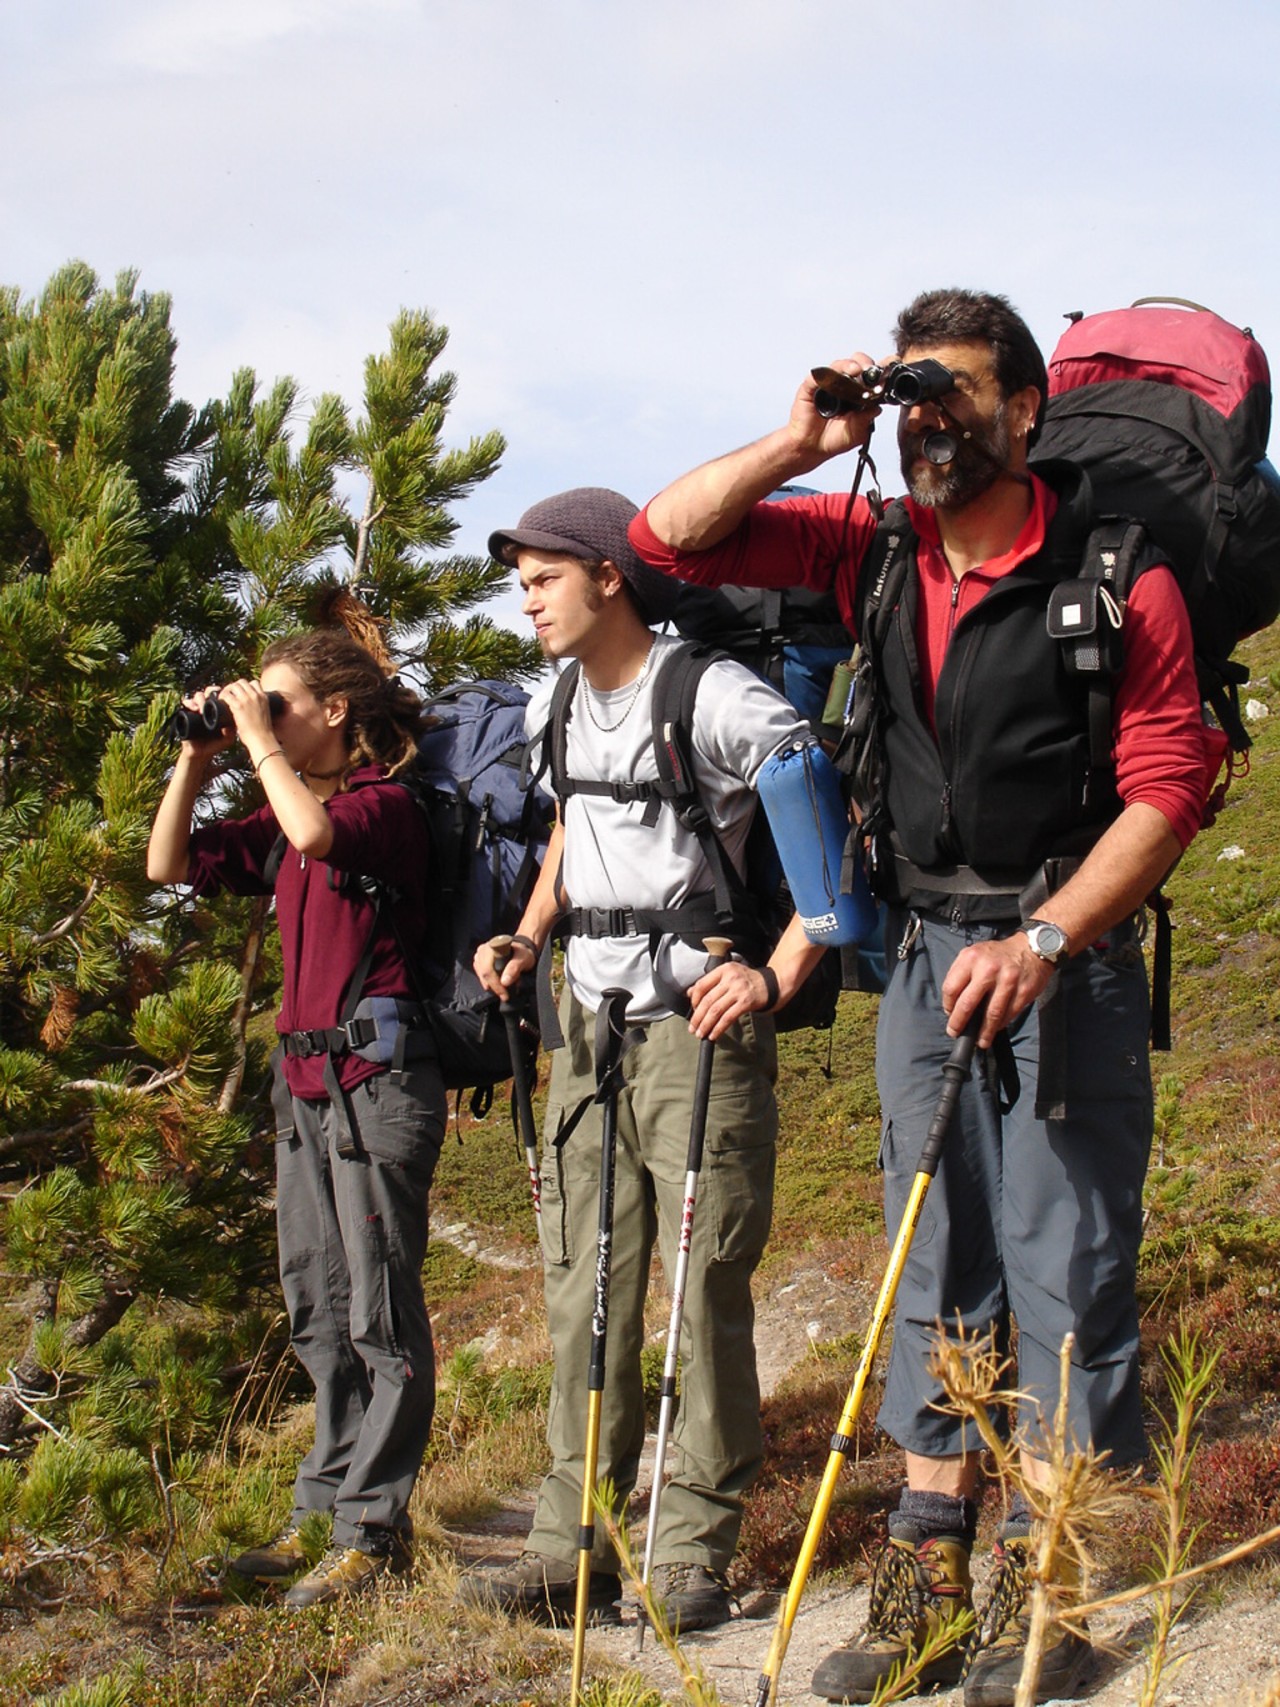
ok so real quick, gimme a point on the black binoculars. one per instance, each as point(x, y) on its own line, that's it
point(211, 719)
point(904, 383)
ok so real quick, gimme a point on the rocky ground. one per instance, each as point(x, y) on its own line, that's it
point(1229, 1647)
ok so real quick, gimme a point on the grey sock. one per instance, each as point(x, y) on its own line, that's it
point(922, 1515)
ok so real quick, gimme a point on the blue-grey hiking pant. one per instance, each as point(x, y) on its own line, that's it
point(716, 1443)
point(353, 1234)
point(1031, 1221)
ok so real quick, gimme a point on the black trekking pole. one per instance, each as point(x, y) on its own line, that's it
point(500, 948)
point(954, 1074)
point(718, 949)
point(610, 1024)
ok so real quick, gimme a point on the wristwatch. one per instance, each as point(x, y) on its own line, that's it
point(1047, 940)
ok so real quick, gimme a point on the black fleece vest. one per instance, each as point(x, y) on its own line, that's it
point(1005, 783)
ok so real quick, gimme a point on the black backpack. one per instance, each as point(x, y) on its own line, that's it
point(791, 637)
point(1167, 408)
point(751, 911)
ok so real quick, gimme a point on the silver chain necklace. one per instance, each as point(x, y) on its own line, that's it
point(584, 694)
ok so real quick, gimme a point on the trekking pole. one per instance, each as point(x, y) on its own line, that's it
point(718, 949)
point(612, 1018)
point(500, 947)
point(954, 1073)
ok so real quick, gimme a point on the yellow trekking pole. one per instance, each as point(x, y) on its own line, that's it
point(609, 1041)
point(955, 1072)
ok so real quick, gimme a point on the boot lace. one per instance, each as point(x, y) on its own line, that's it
point(896, 1605)
point(1008, 1593)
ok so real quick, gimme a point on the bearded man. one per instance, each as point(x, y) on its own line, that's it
point(1014, 870)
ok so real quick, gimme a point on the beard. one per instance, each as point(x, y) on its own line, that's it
point(978, 463)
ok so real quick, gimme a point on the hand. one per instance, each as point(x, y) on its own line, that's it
point(1004, 974)
point(247, 703)
point(518, 960)
point(200, 753)
point(723, 995)
point(825, 438)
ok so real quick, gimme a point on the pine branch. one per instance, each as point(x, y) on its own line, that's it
point(40, 1136)
point(373, 513)
point(157, 1081)
point(250, 962)
point(27, 1377)
point(65, 926)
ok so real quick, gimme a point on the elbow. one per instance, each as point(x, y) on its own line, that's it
point(317, 844)
point(162, 871)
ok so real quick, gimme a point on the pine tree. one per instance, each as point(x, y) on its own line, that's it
point(146, 545)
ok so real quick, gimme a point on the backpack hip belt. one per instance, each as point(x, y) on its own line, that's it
point(378, 1020)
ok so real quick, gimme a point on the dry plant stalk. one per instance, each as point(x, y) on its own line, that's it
point(1073, 1497)
point(693, 1680)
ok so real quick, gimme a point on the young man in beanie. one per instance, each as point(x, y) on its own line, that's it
point(591, 599)
point(1014, 863)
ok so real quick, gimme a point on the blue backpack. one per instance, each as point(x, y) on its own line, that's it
point(489, 827)
point(488, 830)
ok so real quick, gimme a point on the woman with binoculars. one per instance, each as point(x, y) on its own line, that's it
point(326, 729)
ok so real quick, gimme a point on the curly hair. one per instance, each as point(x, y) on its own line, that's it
point(977, 317)
point(384, 718)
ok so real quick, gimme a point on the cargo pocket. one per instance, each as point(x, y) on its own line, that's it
point(403, 1120)
point(374, 1321)
point(737, 1184)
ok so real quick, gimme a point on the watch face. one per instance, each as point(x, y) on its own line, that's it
point(1047, 941)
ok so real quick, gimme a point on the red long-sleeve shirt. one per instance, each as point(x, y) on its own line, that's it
point(1164, 755)
point(377, 832)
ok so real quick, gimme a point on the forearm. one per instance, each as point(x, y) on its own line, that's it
point(1005, 976)
point(792, 960)
point(536, 924)
point(168, 850)
point(544, 905)
point(301, 816)
point(705, 506)
point(1132, 858)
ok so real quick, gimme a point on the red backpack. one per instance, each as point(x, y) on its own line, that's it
point(1168, 408)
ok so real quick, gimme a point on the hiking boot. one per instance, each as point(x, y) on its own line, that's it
point(691, 1597)
point(917, 1589)
point(542, 1588)
point(346, 1571)
point(283, 1557)
point(1002, 1640)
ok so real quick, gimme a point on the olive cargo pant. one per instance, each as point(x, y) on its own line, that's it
point(716, 1441)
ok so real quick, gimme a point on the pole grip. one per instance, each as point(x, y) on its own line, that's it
point(954, 1074)
point(500, 948)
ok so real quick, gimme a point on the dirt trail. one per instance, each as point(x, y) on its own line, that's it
point(1232, 1652)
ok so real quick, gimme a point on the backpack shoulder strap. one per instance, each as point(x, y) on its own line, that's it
point(883, 573)
point(674, 699)
point(1086, 615)
point(555, 736)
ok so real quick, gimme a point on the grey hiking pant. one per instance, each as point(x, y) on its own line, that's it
point(1031, 1221)
point(353, 1234)
point(716, 1446)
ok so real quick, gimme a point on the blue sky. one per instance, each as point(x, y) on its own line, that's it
point(640, 224)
